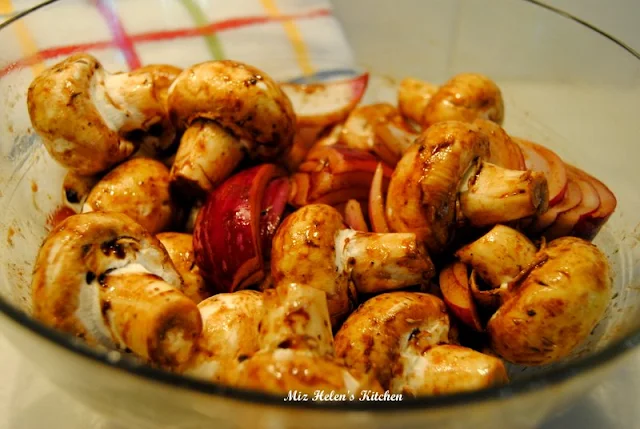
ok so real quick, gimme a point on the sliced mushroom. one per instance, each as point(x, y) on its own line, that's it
point(228, 110)
point(449, 156)
point(499, 255)
point(397, 337)
point(229, 334)
point(296, 347)
point(180, 249)
point(102, 277)
point(313, 246)
point(138, 188)
point(91, 120)
point(553, 307)
point(465, 97)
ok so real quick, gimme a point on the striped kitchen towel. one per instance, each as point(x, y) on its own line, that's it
point(289, 39)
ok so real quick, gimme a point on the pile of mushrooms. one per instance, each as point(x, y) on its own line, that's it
point(282, 237)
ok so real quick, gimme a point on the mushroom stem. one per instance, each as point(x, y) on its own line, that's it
point(497, 195)
point(148, 316)
point(380, 262)
point(296, 317)
point(499, 256)
point(206, 156)
point(230, 334)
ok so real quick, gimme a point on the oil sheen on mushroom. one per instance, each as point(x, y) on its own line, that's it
point(138, 188)
point(105, 279)
point(554, 307)
point(85, 114)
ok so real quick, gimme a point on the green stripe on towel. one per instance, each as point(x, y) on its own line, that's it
point(198, 16)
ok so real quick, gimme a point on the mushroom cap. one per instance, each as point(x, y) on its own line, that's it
point(448, 369)
point(504, 151)
point(138, 188)
point(554, 307)
point(230, 332)
point(146, 88)
point(162, 76)
point(240, 98)
point(82, 248)
point(373, 337)
point(424, 187)
point(465, 97)
point(61, 104)
point(303, 251)
point(285, 370)
point(180, 248)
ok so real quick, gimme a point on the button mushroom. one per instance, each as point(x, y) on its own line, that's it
point(138, 188)
point(104, 278)
point(553, 306)
point(88, 118)
point(296, 347)
point(314, 247)
point(499, 255)
point(465, 97)
point(446, 171)
point(180, 249)
point(378, 128)
point(401, 339)
point(447, 369)
point(229, 334)
point(228, 110)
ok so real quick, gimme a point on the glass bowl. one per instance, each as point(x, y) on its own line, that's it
point(566, 85)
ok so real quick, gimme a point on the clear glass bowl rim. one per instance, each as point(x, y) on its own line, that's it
point(550, 377)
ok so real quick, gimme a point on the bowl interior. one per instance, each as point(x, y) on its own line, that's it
point(565, 86)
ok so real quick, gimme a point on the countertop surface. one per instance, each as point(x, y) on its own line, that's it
point(28, 401)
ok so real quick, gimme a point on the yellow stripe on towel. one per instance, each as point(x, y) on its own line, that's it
point(27, 44)
point(294, 35)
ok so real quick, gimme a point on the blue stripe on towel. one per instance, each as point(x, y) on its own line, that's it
point(326, 75)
